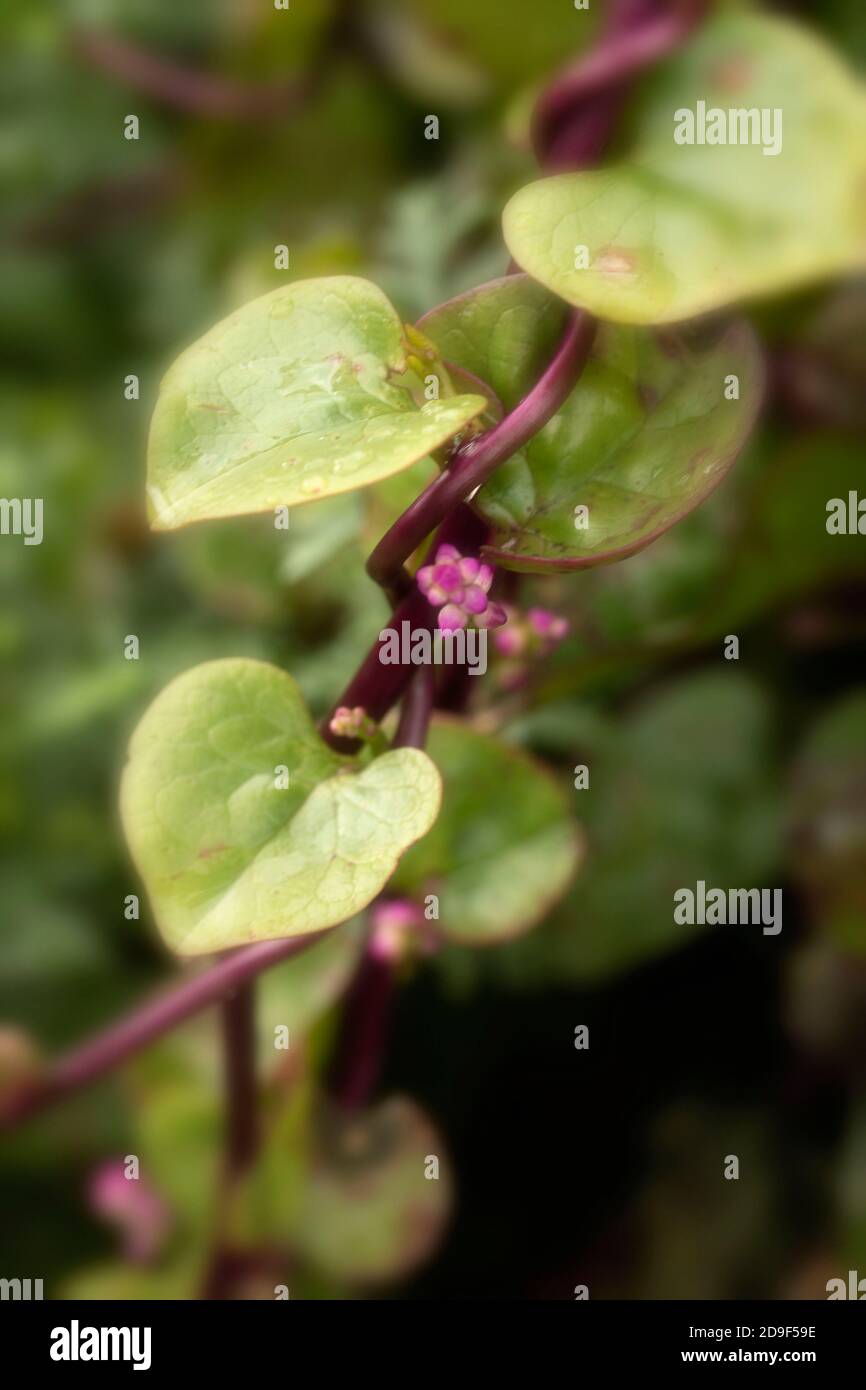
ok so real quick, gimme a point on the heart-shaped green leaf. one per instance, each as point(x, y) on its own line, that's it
point(304, 393)
point(373, 1206)
point(505, 847)
point(680, 229)
point(246, 826)
point(648, 432)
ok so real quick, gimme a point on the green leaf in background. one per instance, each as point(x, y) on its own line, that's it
point(304, 393)
point(646, 435)
point(371, 1209)
point(828, 822)
point(505, 847)
point(757, 549)
point(680, 229)
point(507, 42)
point(822, 357)
point(231, 855)
point(679, 791)
point(782, 548)
point(115, 1281)
point(294, 993)
point(683, 1209)
point(178, 1131)
point(426, 66)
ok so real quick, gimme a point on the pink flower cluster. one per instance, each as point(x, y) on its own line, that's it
point(534, 634)
point(458, 585)
point(353, 723)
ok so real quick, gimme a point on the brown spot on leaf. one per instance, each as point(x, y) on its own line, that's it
point(731, 74)
point(615, 262)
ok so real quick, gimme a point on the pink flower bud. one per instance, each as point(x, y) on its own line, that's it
point(426, 577)
point(132, 1206)
point(472, 571)
point(393, 922)
point(448, 577)
point(469, 568)
point(493, 616)
point(510, 641)
point(451, 618)
point(440, 582)
point(448, 552)
point(353, 723)
point(474, 599)
point(485, 577)
point(548, 624)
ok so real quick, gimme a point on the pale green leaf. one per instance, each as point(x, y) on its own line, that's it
point(229, 854)
point(680, 229)
point(304, 393)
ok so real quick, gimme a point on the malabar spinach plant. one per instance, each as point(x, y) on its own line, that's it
point(576, 409)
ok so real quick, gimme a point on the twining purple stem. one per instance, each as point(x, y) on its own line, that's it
point(416, 710)
point(241, 1125)
point(366, 1014)
point(238, 1017)
point(472, 464)
point(363, 1032)
point(156, 1016)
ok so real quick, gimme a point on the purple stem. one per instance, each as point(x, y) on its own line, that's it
point(241, 1126)
point(363, 1032)
point(239, 1065)
point(577, 112)
point(416, 710)
point(473, 463)
point(156, 1016)
point(365, 1021)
